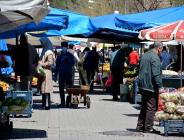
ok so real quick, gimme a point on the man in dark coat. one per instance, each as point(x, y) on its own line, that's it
point(91, 65)
point(65, 62)
point(26, 59)
point(117, 69)
point(150, 84)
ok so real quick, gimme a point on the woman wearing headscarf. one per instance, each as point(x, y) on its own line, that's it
point(47, 60)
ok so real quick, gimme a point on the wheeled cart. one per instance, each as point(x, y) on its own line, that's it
point(78, 95)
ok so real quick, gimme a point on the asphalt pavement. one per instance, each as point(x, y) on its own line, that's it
point(104, 120)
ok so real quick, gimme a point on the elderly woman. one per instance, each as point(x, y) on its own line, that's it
point(47, 60)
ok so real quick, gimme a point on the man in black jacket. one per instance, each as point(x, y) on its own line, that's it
point(91, 65)
point(117, 69)
point(150, 83)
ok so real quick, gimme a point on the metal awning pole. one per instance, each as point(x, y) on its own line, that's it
point(17, 43)
point(181, 62)
point(17, 40)
point(103, 60)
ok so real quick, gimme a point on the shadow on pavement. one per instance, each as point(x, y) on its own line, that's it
point(135, 133)
point(138, 107)
point(28, 133)
point(131, 115)
point(111, 100)
point(37, 101)
point(38, 106)
point(56, 92)
point(129, 132)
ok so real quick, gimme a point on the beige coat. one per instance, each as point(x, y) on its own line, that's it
point(46, 62)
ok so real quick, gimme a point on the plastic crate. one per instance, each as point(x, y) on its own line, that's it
point(26, 95)
point(172, 126)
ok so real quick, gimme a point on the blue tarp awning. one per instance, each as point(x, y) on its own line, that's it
point(148, 19)
point(116, 26)
point(7, 70)
point(106, 28)
point(54, 20)
point(77, 24)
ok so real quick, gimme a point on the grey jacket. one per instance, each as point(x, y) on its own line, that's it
point(149, 77)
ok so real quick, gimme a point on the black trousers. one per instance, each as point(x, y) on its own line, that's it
point(64, 79)
point(116, 81)
point(148, 109)
point(90, 78)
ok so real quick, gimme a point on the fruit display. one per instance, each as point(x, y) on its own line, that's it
point(130, 73)
point(34, 81)
point(106, 67)
point(5, 86)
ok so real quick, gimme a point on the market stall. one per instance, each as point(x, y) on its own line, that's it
point(171, 103)
point(171, 110)
point(172, 79)
point(12, 102)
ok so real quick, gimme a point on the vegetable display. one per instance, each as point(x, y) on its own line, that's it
point(171, 105)
point(15, 105)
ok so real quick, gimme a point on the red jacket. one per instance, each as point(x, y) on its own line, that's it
point(133, 58)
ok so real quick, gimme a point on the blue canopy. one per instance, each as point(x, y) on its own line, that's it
point(54, 20)
point(7, 70)
point(77, 24)
point(149, 19)
point(106, 28)
point(102, 27)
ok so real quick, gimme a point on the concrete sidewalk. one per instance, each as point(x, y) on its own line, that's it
point(105, 120)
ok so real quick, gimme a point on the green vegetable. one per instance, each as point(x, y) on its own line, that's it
point(8, 102)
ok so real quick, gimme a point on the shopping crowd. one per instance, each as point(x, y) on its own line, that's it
point(61, 66)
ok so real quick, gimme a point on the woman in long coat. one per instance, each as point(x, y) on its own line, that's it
point(47, 60)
